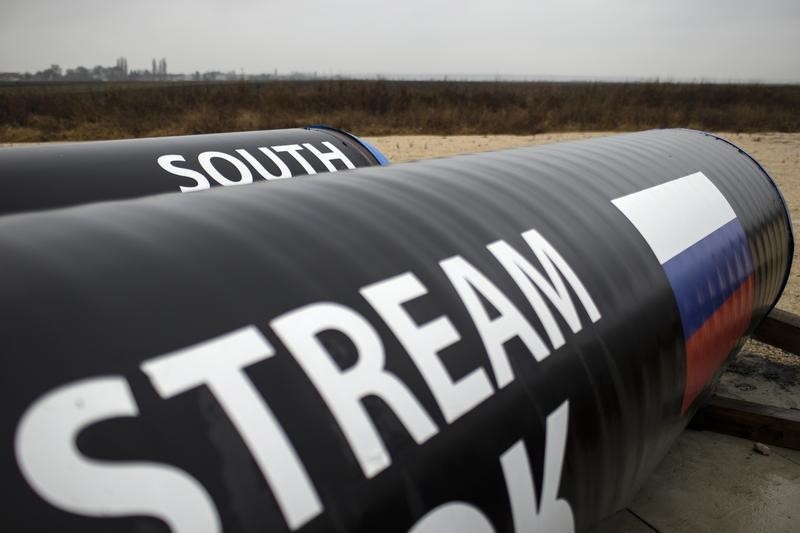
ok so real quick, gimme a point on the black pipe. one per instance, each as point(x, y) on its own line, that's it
point(60, 175)
point(506, 341)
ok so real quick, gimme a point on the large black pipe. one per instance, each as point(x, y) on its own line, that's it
point(507, 341)
point(60, 175)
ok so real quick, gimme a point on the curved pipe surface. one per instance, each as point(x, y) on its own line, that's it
point(506, 341)
point(67, 174)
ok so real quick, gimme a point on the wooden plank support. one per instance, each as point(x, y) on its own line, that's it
point(780, 329)
point(761, 423)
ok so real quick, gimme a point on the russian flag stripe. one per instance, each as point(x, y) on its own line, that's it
point(703, 249)
point(705, 275)
point(675, 215)
point(708, 347)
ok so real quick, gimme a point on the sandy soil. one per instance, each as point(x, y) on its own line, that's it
point(400, 148)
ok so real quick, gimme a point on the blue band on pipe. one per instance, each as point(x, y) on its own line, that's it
point(377, 154)
point(705, 275)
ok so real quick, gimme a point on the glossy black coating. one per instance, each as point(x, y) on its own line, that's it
point(99, 289)
point(65, 174)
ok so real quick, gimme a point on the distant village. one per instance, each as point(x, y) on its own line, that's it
point(157, 73)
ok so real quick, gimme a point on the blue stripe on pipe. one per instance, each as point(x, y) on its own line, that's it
point(705, 275)
point(377, 154)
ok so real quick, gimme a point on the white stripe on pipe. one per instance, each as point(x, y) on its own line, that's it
point(675, 215)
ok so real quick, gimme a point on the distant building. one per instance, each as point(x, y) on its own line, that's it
point(158, 72)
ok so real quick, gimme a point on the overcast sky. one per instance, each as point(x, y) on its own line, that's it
point(669, 39)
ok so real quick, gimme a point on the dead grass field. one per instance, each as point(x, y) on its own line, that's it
point(89, 111)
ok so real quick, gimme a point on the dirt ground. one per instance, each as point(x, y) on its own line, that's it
point(760, 373)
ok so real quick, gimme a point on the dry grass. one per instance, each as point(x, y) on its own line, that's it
point(35, 113)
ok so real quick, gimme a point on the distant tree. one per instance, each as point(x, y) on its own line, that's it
point(78, 74)
point(51, 74)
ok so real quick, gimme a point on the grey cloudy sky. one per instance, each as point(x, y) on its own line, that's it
point(670, 39)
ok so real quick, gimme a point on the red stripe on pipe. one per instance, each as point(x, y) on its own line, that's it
point(710, 345)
